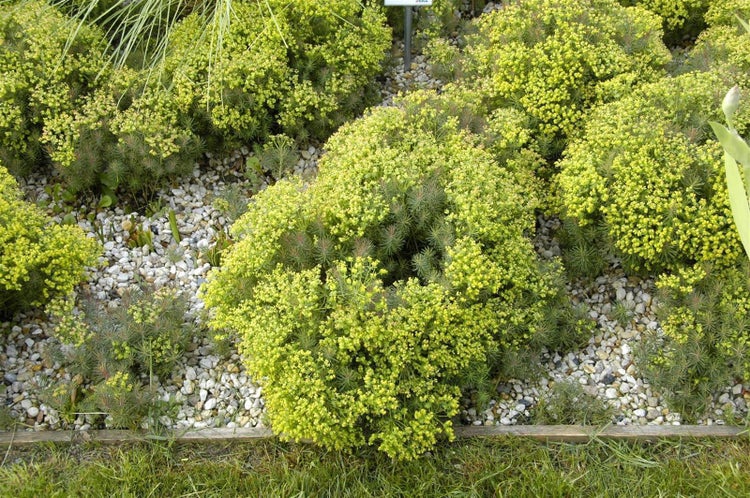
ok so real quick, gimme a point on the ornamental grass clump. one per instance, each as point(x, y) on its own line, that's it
point(648, 174)
point(553, 60)
point(364, 298)
point(39, 260)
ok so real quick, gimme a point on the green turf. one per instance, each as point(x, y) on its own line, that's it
point(487, 467)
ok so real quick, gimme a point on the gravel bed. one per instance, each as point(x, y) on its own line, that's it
point(214, 390)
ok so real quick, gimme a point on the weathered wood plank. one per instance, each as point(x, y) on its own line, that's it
point(207, 435)
point(574, 433)
point(568, 433)
point(21, 438)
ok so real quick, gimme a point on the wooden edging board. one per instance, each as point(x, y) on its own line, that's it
point(564, 433)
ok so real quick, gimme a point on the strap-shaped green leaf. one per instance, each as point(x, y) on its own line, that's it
point(736, 147)
point(738, 201)
point(743, 22)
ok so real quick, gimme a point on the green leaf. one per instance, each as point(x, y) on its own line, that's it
point(738, 201)
point(744, 23)
point(106, 200)
point(735, 146)
point(173, 226)
point(68, 196)
point(69, 219)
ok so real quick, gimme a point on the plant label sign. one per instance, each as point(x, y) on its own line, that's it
point(408, 3)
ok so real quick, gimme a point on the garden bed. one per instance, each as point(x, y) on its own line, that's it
point(209, 387)
point(402, 266)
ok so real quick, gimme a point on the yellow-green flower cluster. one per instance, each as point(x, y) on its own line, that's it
point(363, 297)
point(723, 50)
point(554, 59)
point(39, 260)
point(648, 169)
point(442, 18)
point(71, 326)
point(120, 381)
point(124, 135)
point(149, 312)
point(725, 12)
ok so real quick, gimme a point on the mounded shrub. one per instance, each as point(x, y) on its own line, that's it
point(126, 136)
point(443, 17)
point(724, 49)
point(364, 298)
point(554, 59)
point(704, 306)
point(686, 19)
point(39, 260)
point(64, 103)
point(305, 69)
point(116, 351)
point(302, 71)
point(35, 85)
point(680, 223)
point(649, 171)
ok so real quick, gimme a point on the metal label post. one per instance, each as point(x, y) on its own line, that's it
point(407, 38)
point(407, 4)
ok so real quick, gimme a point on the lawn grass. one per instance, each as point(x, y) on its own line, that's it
point(471, 467)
